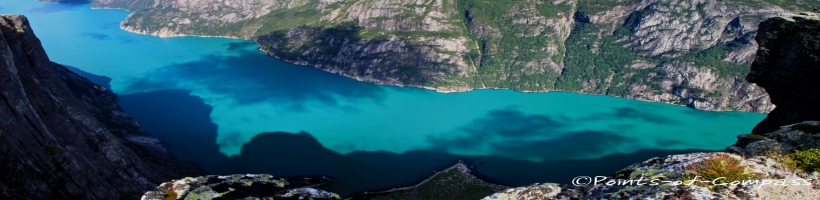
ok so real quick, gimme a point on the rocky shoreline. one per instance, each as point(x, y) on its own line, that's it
point(164, 33)
point(438, 63)
point(764, 110)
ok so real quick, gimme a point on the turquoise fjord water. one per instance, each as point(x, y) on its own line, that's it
point(209, 97)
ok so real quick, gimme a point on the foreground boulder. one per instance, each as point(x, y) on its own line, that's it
point(455, 182)
point(238, 186)
point(672, 178)
point(800, 136)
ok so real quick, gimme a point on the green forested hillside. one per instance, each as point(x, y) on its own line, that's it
point(684, 52)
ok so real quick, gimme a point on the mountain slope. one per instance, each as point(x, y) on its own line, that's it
point(692, 53)
point(63, 137)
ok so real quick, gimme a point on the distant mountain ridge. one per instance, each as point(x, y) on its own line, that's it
point(692, 53)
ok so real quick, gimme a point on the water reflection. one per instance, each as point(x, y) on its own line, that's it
point(63, 5)
point(249, 77)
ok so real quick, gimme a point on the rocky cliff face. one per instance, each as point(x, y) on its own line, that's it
point(787, 66)
point(64, 137)
point(693, 53)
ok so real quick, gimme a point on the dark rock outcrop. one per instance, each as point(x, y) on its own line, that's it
point(800, 136)
point(455, 182)
point(63, 137)
point(238, 186)
point(788, 66)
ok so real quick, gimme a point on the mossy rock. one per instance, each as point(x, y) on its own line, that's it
point(808, 128)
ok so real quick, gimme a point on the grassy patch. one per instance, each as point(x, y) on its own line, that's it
point(718, 166)
point(786, 161)
point(170, 194)
point(713, 57)
point(518, 58)
point(757, 136)
point(367, 34)
point(283, 19)
point(796, 5)
point(595, 6)
point(593, 58)
point(550, 10)
point(808, 160)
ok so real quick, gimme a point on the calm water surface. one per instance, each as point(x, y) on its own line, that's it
point(209, 97)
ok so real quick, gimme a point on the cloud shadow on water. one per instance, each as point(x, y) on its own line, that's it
point(287, 154)
point(127, 40)
point(670, 143)
point(180, 120)
point(513, 133)
point(62, 5)
point(240, 46)
point(99, 80)
point(647, 116)
point(252, 77)
point(713, 114)
point(506, 171)
point(96, 36)
point(183, 122)
point(75, 1)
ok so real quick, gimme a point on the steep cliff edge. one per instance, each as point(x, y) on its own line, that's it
point(788, 66)
point(63, 137)
point(692, 53)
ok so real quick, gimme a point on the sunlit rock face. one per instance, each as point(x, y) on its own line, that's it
point(692, 53)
